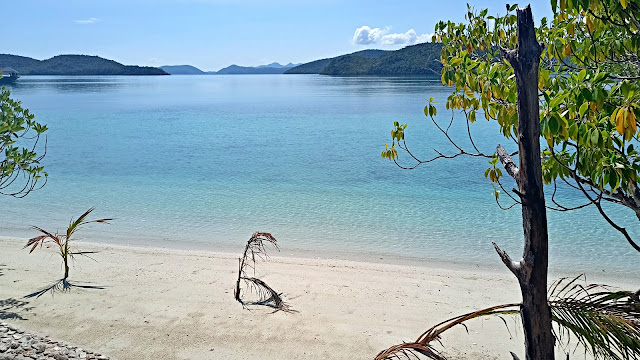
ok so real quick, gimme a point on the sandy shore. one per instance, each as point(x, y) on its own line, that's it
point(174, 304)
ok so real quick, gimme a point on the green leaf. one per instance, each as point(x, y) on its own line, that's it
point(583, 109)
point(554, 125)
point(573, 131)
point(613, 180)
point(586, 93)
point(595, 134)
point(625, 87)
point(455, 62)
point(582, 74)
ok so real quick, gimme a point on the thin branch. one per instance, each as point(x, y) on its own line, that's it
point(514, 267)
point(508, 163)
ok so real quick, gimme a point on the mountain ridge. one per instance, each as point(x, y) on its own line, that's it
point(71, 64)
point(273, 68)
point(419, 59)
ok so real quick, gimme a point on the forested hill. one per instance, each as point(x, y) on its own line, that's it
point(420, 59)
point(74, 65)
point(318, 66)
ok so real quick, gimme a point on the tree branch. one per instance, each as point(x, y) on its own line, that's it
point(513, 266)
point(508, 163)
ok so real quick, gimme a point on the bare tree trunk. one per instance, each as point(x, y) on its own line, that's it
point(531, 270)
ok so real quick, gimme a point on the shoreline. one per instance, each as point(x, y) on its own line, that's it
point(228, 251)
point(178, 304)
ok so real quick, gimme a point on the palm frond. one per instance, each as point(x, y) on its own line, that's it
point(267, 295)
point(256, 249)
point(425, 343)
point(75, 224)
point(603, 320)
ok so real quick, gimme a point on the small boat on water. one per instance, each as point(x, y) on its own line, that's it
point(9, 75)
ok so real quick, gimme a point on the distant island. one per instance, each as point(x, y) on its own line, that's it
point(273, 68)
point(74, 65)
point(182, 70)
point(420, 59)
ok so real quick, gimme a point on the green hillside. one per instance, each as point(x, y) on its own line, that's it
point(420, 59)
point(318, 66)
point(74, 65)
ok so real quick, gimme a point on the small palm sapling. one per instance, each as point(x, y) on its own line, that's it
point(63, 242)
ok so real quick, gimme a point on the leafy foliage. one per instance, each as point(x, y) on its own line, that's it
point(20, 169)
point(588, 89)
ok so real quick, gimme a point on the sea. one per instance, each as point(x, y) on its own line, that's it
point(202, 162)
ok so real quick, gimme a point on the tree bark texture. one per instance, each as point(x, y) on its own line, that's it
point(531, 270)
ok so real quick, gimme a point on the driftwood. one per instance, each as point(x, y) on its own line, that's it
point(255, 248)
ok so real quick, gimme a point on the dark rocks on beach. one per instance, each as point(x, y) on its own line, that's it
point(18, 345)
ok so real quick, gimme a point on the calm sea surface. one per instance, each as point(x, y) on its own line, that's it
point(203, 161)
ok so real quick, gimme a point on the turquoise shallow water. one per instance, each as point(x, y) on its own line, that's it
point(204, 161)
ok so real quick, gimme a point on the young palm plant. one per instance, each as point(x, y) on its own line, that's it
point(65, 249)
point(606, 322)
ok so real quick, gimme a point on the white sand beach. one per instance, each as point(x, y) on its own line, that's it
point(175, 304)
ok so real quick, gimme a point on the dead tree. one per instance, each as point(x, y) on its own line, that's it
point(531, 270)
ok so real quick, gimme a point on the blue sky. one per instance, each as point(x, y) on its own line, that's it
point(212, 34)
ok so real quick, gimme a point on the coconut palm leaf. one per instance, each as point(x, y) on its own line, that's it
point(425, 342)
point(267, 295)
point(39, 240)
point(604, 320)
point(76, 224)
point(256, 249)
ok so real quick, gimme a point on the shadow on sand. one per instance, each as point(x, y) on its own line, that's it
point(60, 285)
point(10, 309)
point(3, 268)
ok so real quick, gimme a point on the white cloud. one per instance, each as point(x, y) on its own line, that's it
point(87, 21)
point(365, 35)
point(424, 38)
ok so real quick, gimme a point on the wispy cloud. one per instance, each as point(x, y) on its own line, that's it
point(365, 35)
point(87, 21)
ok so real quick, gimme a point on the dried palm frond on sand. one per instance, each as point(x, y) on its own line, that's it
point(256, 249)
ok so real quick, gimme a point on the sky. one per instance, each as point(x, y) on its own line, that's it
point(212, 34)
